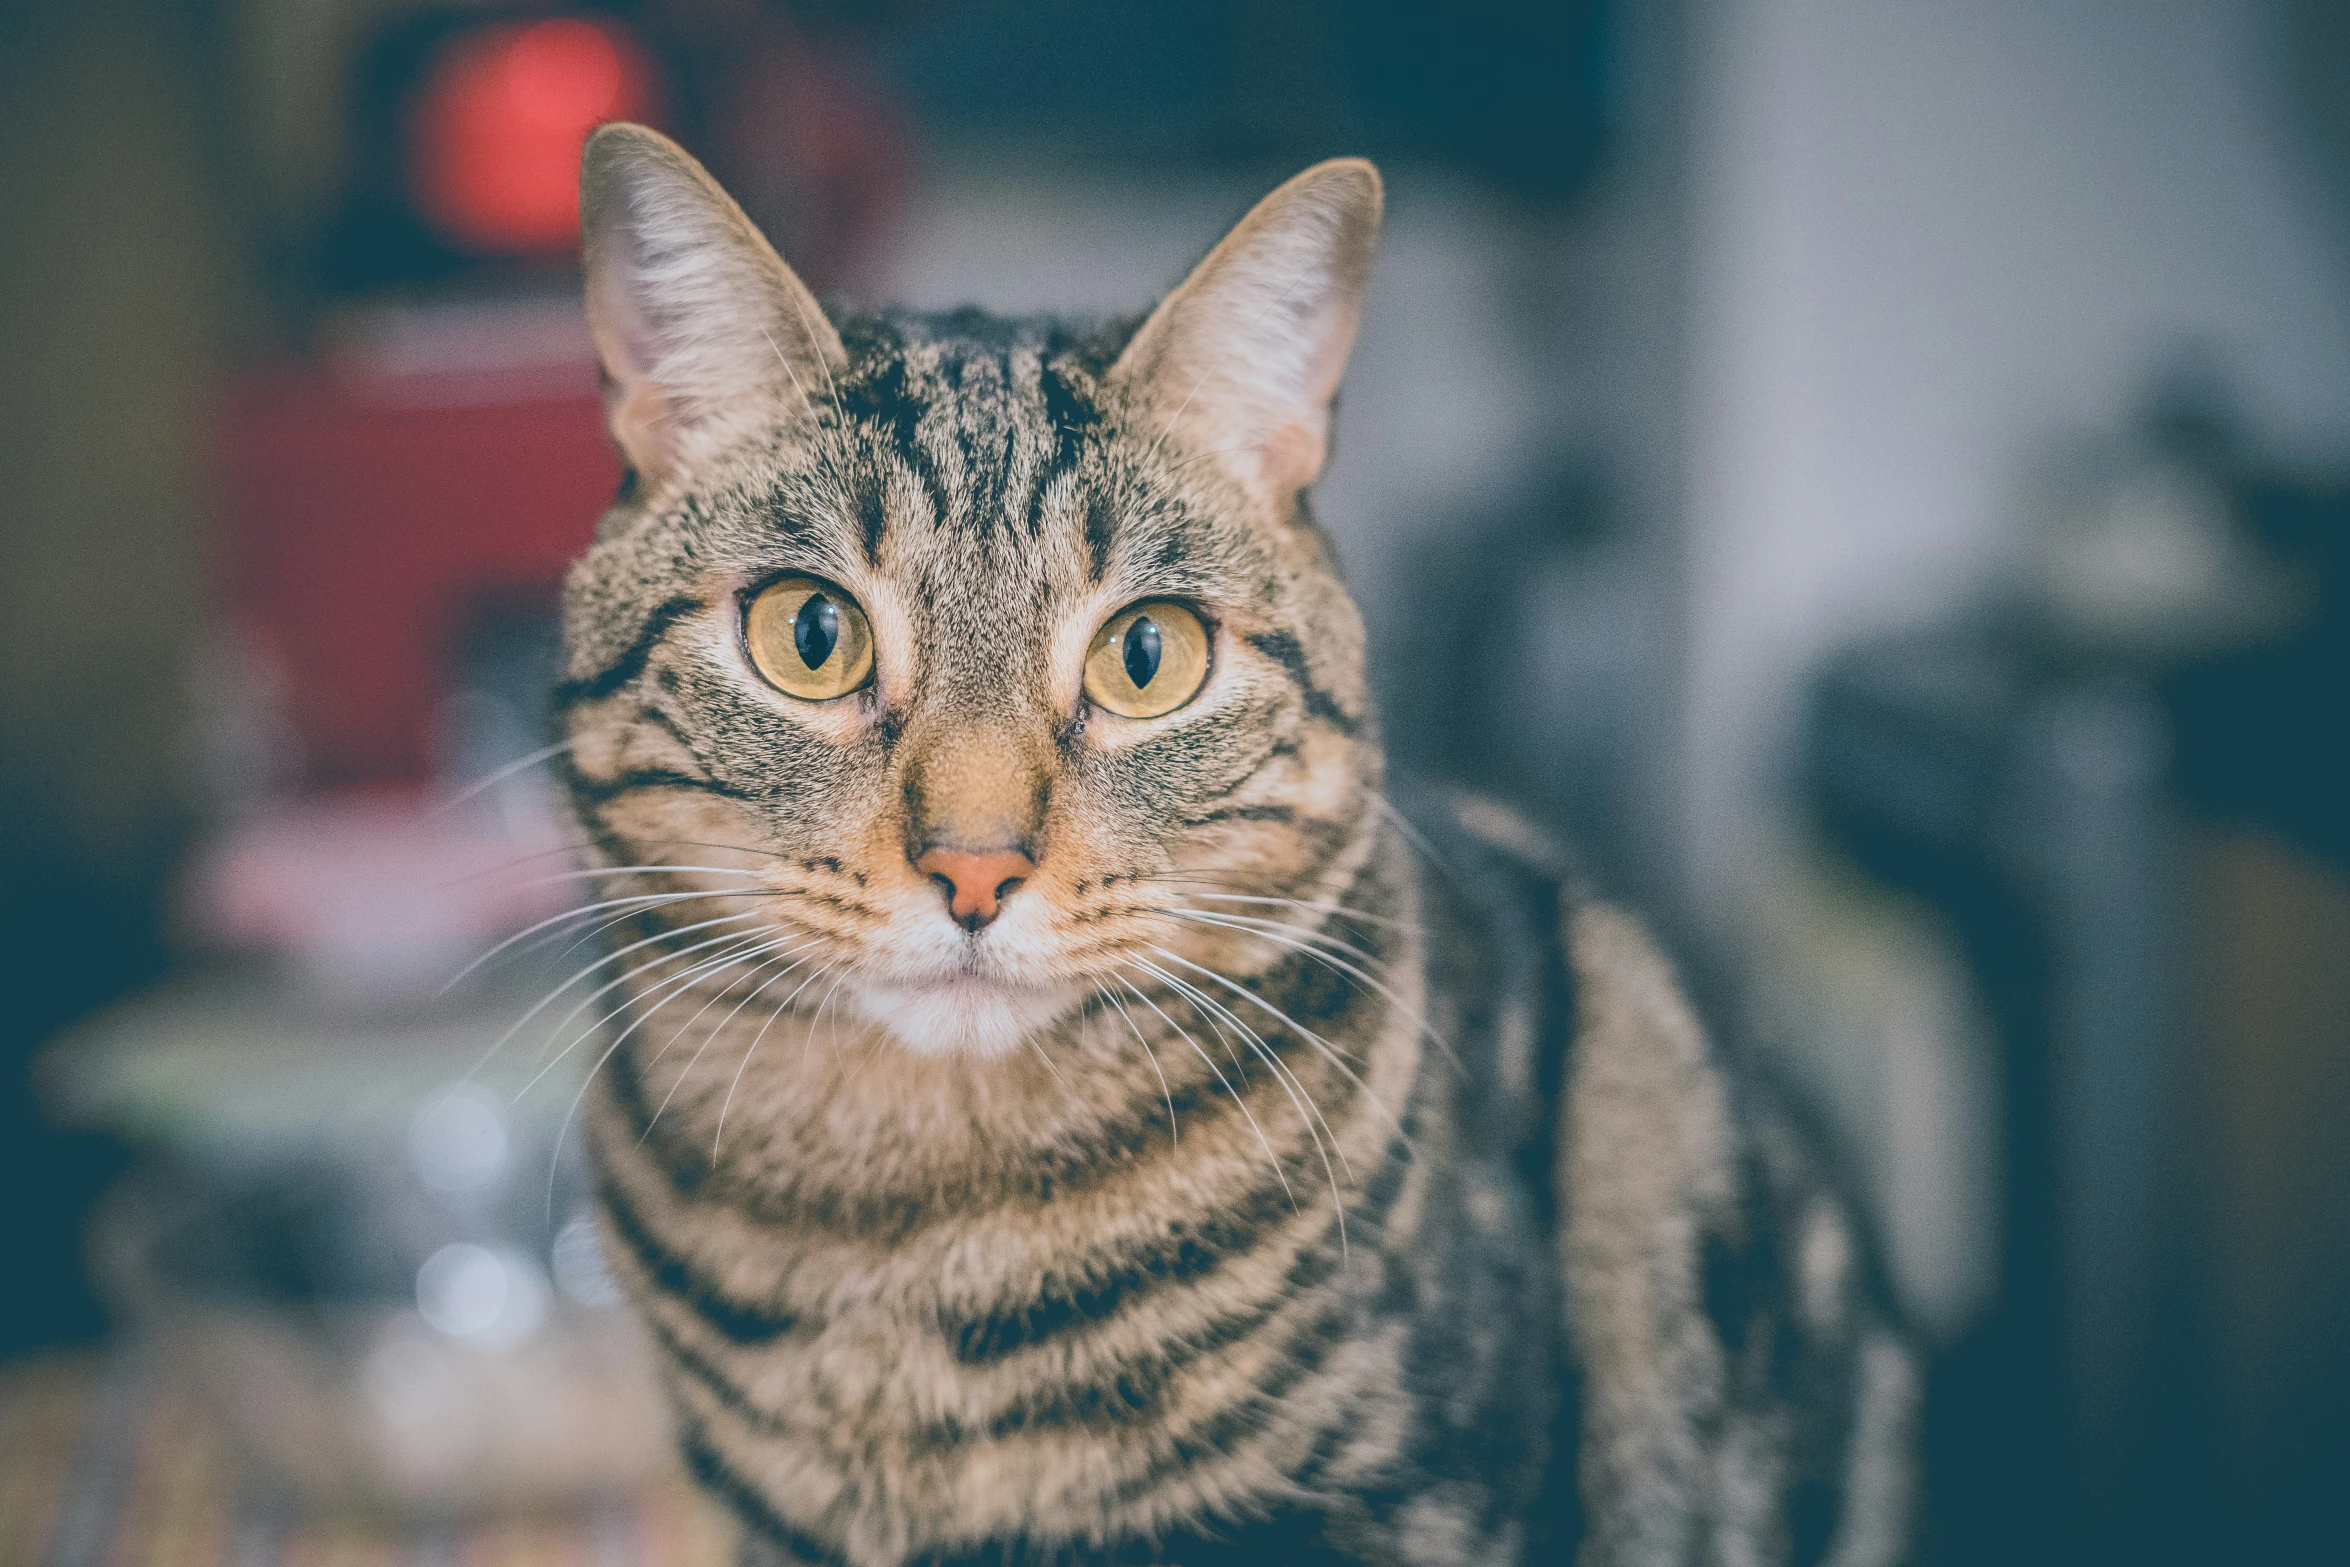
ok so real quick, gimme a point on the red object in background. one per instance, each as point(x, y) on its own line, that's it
point(496, 126)
point(364, 516)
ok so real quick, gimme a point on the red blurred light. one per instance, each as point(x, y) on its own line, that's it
point(496, 127)
point(564, 73)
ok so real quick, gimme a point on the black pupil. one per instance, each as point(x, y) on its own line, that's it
point(816, 629)
point(1142, 651)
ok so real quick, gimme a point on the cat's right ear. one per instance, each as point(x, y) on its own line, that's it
point(1242, 361)
point(704, 334)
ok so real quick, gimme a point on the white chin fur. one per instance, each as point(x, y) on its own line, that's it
point(964, 1016)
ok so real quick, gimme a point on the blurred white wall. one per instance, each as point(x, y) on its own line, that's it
point(1927, 240)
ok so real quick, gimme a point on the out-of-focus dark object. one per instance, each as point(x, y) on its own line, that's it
point(2144, 548)
point(1515, 95)
point(1548, 589)
point(2267, 931)
point(2107, 809)
point(2313, 52)
point(2022, 799)
point(2266, 742)
point(787, 103)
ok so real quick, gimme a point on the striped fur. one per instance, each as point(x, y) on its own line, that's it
point(1320, 1188)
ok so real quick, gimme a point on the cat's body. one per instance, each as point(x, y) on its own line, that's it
point(1059, 1125)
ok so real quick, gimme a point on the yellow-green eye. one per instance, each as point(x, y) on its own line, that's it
point(1148, 660)
point(809, 639)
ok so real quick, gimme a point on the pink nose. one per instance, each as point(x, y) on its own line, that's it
point(975, 884)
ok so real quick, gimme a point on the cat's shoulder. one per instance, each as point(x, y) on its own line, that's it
point(1591, 1029)
point(1496, 900)
point(1721, 1300)
point(1510, 904)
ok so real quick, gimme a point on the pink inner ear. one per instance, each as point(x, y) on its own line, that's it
point(639, 418)
point(1290, 454)
point(635, 409)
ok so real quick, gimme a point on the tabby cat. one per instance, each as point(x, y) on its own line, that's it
point(1064, 1111)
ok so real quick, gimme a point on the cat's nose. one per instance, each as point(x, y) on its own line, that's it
point(976, 884)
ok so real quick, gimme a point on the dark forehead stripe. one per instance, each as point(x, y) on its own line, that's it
point(1101, 529)
point(880, 393)
point(987, 414)
point(976, 424)
point(1072, 419)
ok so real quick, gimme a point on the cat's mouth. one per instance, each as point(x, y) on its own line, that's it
point(963, 1013)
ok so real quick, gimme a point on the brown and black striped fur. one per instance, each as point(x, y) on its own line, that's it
point(1274, 1181)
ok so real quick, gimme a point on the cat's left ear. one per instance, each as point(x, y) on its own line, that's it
point(1244, 358)
point(705, 335)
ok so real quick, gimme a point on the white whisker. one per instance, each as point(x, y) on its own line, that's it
point(784, 360)
point(1030, 1041)
point(1258, 925)
point(586, 914)
point(1174, 1133)
point(732, 940)
point(800, 308)
point(1413, 836)
point(1309, 1113)
point(588, 872)
point(764, 956)
point(676, 985)
point(1346, 909)
point(724, 1024)
point(483, 785)
point(666, 987)
point(1290, 936)
point(1337, 1057)
point(1325, 1138)
point(595, 872)
point(551, 996)
point(1301, 1099)
point(718, 1136)
point(1263, 1141)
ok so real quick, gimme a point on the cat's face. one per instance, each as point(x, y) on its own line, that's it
point(980, 665)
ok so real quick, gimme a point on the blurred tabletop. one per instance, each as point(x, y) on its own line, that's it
point(103, 1461)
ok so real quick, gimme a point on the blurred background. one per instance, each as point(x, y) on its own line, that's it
point(1887, 463)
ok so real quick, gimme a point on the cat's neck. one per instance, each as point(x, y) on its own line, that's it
point(823, 1102)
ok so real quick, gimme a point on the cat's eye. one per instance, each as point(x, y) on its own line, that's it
point(809, 639)
point(1148, 660)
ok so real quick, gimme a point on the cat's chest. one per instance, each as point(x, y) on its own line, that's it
point(1152, 1345)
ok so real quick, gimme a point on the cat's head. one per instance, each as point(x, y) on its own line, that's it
point(983, 665)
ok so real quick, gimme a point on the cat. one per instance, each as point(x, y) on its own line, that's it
point(1063, 1110)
